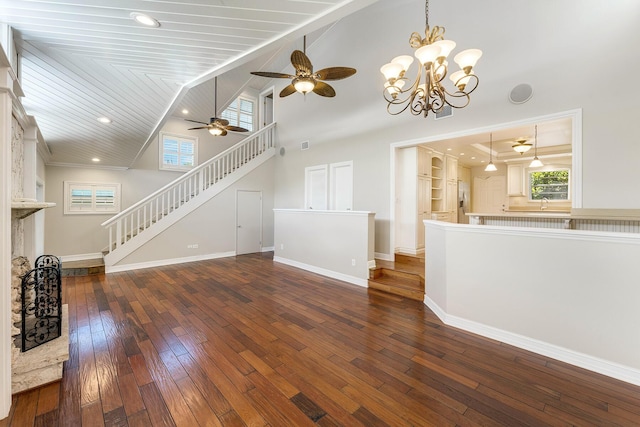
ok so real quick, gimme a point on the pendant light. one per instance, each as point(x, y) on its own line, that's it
point(535, 163)
point(490, 167)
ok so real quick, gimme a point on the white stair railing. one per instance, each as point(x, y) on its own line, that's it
point(134, 220)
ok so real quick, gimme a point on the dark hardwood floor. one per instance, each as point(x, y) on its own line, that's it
point(247, 342)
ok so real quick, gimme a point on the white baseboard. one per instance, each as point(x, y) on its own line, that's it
point(384, 257)
point(269, 249)
point(323, 271)
point(80, 257)
point(585, 361)
point(160, 263)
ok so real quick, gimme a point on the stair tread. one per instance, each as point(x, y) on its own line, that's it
point(405, 284)
point(416, 294)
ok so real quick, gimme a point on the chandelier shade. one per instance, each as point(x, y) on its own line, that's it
point(428, 93)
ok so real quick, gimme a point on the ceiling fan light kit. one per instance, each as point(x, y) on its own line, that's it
point(305, 80)
point(217, 126)
point(522, 146)
point(429, 94)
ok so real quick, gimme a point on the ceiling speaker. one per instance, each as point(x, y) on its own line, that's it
point(521, 93)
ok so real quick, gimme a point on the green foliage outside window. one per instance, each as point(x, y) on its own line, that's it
point(553, 185)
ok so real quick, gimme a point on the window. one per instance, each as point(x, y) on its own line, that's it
point(91, 198)
point(240, 113)
point(178, 153)
point(552, 184)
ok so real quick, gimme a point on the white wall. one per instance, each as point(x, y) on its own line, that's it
point(70, 235)
point(523, 42)
point(569, 294)
point(337, 244)
point(212, 226)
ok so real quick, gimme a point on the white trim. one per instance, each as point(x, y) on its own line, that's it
point(93, 186)
point(163, 262)
point(269, 249)
point(581, 360)
point(371, 264)
point(80, 257)
point(576, 151)
point(177, 168)
point(120, 253)
point(547, 233)
point(384, 257)
point(323, 271)
point(261, 100)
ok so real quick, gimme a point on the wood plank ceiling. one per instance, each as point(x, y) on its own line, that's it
point(83, 59)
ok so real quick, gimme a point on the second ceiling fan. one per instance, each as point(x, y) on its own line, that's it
point(217, 126)
point(305, 80)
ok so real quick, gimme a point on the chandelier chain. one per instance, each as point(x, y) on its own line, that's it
point(426, 14)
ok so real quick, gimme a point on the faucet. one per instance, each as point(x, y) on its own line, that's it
point(544, 206)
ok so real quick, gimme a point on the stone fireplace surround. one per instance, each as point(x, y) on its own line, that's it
point(43, 364)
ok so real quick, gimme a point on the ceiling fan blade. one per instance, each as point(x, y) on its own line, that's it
point(196, 121)
point(217, 121)
point(202, 127)
point(287, 91)
point(236, 129)
point(335, 73)
point(324, 89)
point(224, 132)
point(272, 75)
point(301, 62)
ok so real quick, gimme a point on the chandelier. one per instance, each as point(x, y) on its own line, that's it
point(428, 93)
point(522, 146)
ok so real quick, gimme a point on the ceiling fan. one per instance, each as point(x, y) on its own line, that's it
point(305, 80)
point(217, 126)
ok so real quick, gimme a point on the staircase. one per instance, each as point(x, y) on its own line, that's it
point(404, 277)
point(136, 225)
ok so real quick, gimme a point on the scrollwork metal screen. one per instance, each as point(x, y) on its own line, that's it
point(41, 305)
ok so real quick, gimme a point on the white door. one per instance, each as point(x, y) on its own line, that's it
point(489, 194)
point(315, 192)
point(248, 222)
point(341, 183)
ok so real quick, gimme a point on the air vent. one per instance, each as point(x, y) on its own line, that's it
point(446, 111)
point(304, 145)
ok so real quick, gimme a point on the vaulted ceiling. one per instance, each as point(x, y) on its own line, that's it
point(84, 59)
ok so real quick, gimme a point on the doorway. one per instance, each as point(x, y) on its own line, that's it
point(266, 115)
point(248, 222)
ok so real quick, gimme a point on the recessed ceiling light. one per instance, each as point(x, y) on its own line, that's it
point(185, 111)
point(143, 19)
point(448, 149)
point(105, 120)
point(462, 154)
point(481, 161)
point(95, 159)
point(473, 158)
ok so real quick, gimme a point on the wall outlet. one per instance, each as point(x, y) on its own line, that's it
point(353, 262)
point(281, 246)
point(192, 246)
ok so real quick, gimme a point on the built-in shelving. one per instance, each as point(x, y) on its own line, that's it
point(436, 190)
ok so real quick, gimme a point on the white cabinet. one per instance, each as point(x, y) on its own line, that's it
point(452, 200)
point(438, 184)
point(451, 164)
point(515, 180)
point(413, 197)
